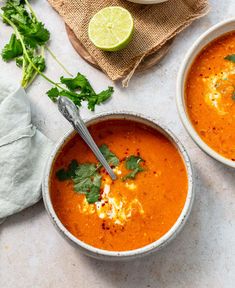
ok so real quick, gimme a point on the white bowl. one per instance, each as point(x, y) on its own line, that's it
point(112, 255)
point(147, 1)
point(211, 34)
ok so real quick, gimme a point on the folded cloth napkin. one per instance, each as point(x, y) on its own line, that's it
point(23, 153)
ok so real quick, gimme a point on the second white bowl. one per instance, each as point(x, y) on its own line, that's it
point(210, 35)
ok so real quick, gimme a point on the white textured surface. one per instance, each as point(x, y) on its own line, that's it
point(33, 254)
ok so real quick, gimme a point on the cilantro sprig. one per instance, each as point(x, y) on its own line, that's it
point(86, 177)
point(230, 58)
point(12, 50)
point(27, 47)
point(86, 92)
point(87, 181)
point(233, 95)
point(111, 158)
point(63, 174)
point(133, 163)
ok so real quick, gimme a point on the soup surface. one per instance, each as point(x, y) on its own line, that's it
point(210, 95)
point(130, 212)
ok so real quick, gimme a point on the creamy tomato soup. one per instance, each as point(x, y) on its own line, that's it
point(136, 209)
point(210, 95)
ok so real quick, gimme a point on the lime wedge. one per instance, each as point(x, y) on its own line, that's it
point(111, 29)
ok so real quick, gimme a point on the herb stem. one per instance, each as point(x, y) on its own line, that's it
point(23, 69)
point(47, 48)
point(35, 73)
point(31, 9)
point(31, 80)
point(57, 60)
point(26, 53)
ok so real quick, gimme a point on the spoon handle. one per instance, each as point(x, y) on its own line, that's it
point(71, 113)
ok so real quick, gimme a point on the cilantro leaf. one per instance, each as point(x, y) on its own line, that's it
point(53, 93)
point(94, 194)
point(85, 177)
point(63, 174)
point(39, 62)
point(12, 50)
point(15, 11)
point(133, 163)
point(79, 82)
point(132, 174)
point(104, 95)
point(29, 70)
point(85, 93)
point(109, 156)
point(97, 99)
point(90, 186)
point(35, 34)
point(233, 95)
point(230, 57)
point(83, 171)
point(19, 61)
point(75, 97)
point(88, 181)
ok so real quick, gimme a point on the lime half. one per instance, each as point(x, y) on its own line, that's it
point(111, 29)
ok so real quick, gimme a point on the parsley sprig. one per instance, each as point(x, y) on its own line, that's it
point(27, 47)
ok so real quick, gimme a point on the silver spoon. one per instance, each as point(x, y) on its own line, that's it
point(69, 110)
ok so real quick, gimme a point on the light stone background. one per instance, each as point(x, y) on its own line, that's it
point(33, 254)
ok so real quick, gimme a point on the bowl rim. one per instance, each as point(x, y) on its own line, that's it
point(156, 245)
point(180, 86)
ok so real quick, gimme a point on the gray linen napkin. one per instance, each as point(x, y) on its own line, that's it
point(23, 153)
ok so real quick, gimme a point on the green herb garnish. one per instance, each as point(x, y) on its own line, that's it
point(86, 177)
point(230, 57)
point(26, 47)
point(86, 92)
point(233, 95)
point(88, 181)
point(133, 163)
point(63, 174)
point(109, 156)
point(12, 50)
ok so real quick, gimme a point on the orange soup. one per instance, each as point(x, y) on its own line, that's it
point(136, 209)
point(210, 95)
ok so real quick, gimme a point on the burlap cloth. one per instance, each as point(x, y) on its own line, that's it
point(154, 25)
